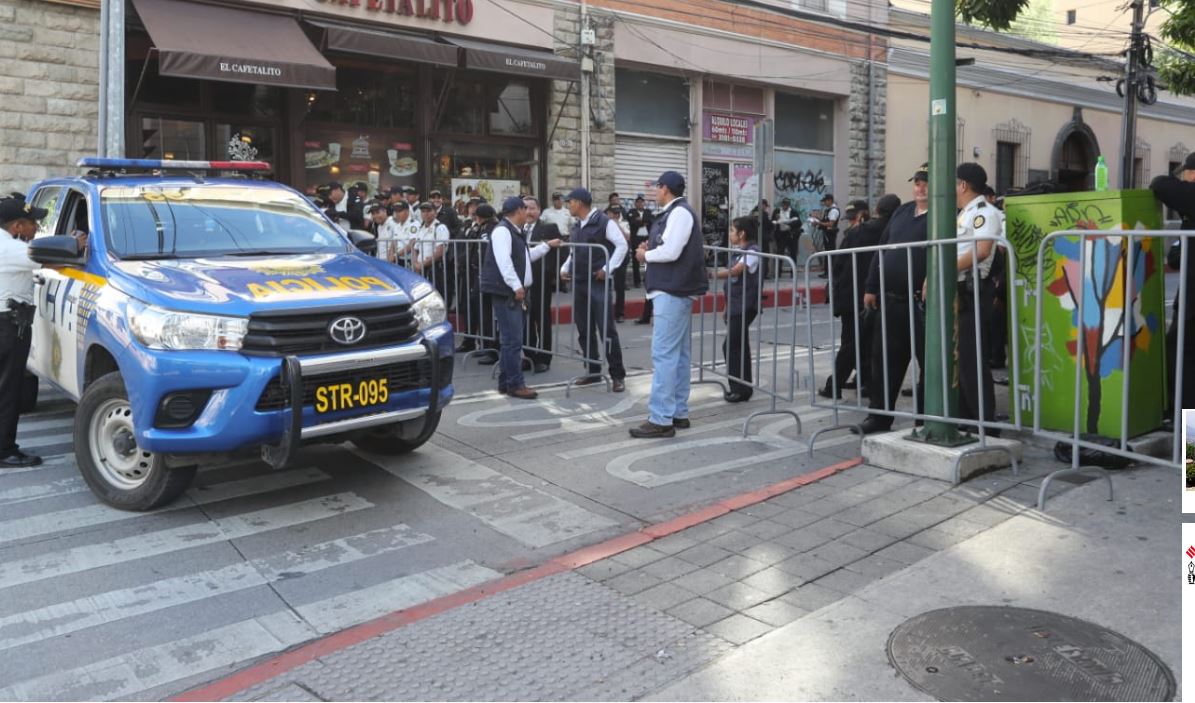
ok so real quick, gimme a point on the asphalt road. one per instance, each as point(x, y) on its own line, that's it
point(96, 603)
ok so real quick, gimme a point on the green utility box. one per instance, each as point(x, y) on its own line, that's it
point(1105, 314)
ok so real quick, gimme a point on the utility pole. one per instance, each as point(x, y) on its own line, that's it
point(941, 396)
point(1132, 88)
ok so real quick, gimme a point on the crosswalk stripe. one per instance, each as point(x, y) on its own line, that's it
point(77, 559)
point(102, 608)
point(521, 512)
point(120, 677)
point(98, 514)
point(64, 486)
point(336, 613)
point(47, 441)
point(33, 423)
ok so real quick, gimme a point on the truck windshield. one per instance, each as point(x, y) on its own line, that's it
point(192, 221)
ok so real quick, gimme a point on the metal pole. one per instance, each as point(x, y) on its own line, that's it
point(112, 63)
point(101, 143)
point(1128, 127)
point(584, 99)
point(941, 398)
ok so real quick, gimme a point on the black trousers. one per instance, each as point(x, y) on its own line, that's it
point(844, 362)
point(477, 313)
point(636, 267)
point(14, 352)
point(786, 244)
point(975, 372)
point(620, 288)
point(736, 348)
point(648, 308)
point(895, 313)
point(592, 314)
point(1185, 396)
point(539, 322)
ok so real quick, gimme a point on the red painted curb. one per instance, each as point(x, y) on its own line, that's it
point(287, 661)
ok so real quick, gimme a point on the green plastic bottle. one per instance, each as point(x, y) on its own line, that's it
point(1101, 174)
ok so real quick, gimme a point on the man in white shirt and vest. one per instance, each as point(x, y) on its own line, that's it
point(18, 222)
point(558, 215)
point(505, 278)
point(589, 270)
point(675, 276)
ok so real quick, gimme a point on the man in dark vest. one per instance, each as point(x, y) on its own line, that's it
point(505, 277)
point(590, 270)
point(675, 276)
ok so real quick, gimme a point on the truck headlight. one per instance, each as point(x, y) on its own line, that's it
point(159, 328)
point(428, 308)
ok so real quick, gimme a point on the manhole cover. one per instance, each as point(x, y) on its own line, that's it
point(989, 653)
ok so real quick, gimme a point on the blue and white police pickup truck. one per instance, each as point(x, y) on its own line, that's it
point(206, 315)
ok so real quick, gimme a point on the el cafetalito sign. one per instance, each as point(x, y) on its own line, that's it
point(459, 11)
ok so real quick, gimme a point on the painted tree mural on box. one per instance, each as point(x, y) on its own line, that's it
point(1099, 277)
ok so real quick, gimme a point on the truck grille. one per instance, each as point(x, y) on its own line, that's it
point(404, 376)
point(305, 332)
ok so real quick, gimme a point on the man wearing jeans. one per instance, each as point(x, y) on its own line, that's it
point(675, 276)
point(505, 276)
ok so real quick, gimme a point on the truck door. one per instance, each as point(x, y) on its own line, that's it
point(54, 351)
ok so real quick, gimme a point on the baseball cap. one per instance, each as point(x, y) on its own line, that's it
point(485, 211)
point(673, 181)
point(513, 203)
point(13, 209)
point(973, 175)
point(409, 189)
point(828, 196)
point(556, 196)
point(400, 205)
point(335, 185)
point(922, 174)
point(1189, 162)
point(580, 195)
point(426, 206)
point(434, 193)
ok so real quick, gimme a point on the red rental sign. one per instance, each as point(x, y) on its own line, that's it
point(460, 11)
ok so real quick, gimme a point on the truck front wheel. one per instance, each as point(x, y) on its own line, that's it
point(393, 440)
point(118, 471)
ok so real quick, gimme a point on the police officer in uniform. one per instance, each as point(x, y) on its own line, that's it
point(19, 221)
point(977, 218)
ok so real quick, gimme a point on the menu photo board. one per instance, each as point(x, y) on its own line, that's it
point(492, 191)
point(378, 160)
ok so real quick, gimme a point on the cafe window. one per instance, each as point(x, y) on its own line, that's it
point(144, 85)
point(511, 112)
point(164, 138)
point(245, 99)
point(804, 122)
point(237, 142)
point(652, 103)
point(367, 98)
point(463, 109)
point(494, 171)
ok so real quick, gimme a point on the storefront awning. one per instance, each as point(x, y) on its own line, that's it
point(390, 45)
point(518, 61)
point(211, 42)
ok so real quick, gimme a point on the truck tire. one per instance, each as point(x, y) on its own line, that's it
point(115, 469)
point(388, 441)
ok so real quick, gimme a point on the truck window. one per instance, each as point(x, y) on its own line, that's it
point(151, 222)
point(49, 198)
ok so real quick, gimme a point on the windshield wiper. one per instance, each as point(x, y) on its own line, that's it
point(266, 252)
point(149, 256)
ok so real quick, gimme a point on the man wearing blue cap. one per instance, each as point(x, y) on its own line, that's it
point(591, 306)
point(675, 277)
point(505, 276)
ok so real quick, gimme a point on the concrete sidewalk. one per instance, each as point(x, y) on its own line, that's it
point(791, 596)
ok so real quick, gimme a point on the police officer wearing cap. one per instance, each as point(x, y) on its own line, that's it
point(558, 215)
point(898, 301)
point(19, 221)
point(591, 309)
point(977, 218)
point(675, 276)
point(505, 277)
point(1177, 192)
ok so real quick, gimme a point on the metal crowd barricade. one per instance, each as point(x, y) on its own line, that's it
point(455, 275)
point(908, 297)
point(783, 384)
point(1124, 255)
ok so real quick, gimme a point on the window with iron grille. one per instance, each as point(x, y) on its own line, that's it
point(1006, 165)
point(1015, 172)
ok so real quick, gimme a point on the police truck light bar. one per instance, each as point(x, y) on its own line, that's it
point(167, 164)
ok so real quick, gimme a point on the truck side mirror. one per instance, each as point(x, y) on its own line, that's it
point(58, 250)
point(364, 241)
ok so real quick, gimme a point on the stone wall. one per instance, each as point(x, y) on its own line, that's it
point(564, 109)
point(860, 159)
point(49, 89)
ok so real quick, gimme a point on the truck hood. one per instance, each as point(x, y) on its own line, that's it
point(243, 285)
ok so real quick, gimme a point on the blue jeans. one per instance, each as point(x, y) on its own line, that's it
point(671, 347)
point(511, 319)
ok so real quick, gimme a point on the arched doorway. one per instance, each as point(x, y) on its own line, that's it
point(1075, 152)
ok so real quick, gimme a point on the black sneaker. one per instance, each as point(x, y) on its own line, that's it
point(19, 460)
point(874, 424)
